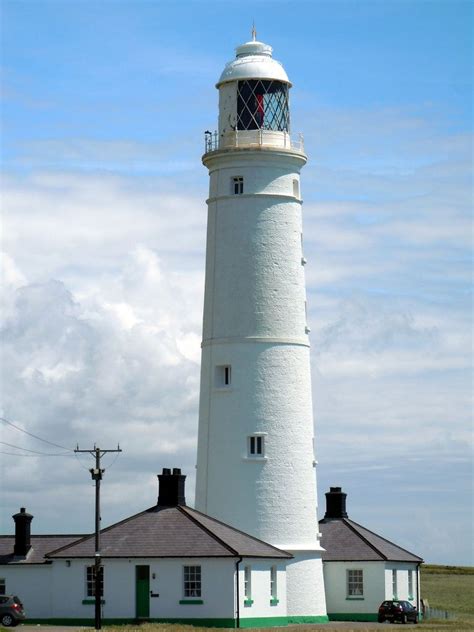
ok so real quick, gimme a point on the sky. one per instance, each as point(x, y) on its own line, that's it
point(104, 108)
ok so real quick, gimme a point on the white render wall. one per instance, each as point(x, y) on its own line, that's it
point(377, 585)
point(255, 322)
point(119, 588)
point(335, 580)
point(260, 591)
point(32, 584)
point(57, 590)
point(402, 569)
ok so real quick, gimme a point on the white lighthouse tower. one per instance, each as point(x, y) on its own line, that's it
point(256, 467)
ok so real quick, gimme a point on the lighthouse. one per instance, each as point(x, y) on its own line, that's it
point(256, 464)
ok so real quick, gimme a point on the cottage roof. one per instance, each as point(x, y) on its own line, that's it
point(346, 540)
point(170, 532)
point(40, 545)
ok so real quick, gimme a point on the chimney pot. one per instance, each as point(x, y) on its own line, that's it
point(171, 488)
point(335, 504)
point(22, 532)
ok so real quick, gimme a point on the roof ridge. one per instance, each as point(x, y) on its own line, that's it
point(91, 535)
point(185, 510)
point(385, 540)
point(238, 530)
point(347, 522)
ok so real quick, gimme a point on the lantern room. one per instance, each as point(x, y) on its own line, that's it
point(253, 101)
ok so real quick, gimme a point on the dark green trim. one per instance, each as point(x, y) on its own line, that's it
point(190, 601)
point(352, 616)
point(91, 601)
point(211, 623)
point(248, 602)
point(262, 622)
point(355, 598)
point(274, 601)
point(250, 622)
point(308, 619)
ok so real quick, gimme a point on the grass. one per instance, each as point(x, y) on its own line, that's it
point(449, 588)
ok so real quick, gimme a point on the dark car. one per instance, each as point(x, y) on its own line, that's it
point(11, 610)
point(397, 610)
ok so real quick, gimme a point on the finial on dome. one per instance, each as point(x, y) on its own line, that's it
point(254, 31)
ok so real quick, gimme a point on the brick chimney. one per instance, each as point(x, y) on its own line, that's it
point(171, 488)
point(335, 504)
point(22, 532)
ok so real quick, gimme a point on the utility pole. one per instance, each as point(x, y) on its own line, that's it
point(96, 473)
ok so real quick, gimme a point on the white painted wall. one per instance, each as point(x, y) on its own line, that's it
point(260, 592)
point(32, 584)
point(402, 569)
point(335, 581)
point(57, 590)
point(377, 585)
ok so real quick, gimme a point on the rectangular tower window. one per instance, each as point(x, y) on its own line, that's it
point(355, 583)
point(256, 445)
point(192, 581)
point(3, 586)
point(296, 189)
point(394, 584)
point(223, 375)
point(237, 185)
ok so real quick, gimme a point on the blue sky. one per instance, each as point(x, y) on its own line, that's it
point(103, 112)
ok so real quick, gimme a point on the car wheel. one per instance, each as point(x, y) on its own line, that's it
point(8, 621)
point(415, 620)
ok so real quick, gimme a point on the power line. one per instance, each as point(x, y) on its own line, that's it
point(56, 445)
point(17, 447)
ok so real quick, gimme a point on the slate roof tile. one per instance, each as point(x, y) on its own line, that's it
point(346, 540)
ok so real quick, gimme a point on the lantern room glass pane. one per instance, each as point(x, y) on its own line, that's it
point(263, 104)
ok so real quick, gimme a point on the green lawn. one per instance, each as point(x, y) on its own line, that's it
point(449, 588)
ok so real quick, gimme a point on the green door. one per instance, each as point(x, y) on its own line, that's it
point(142, 591)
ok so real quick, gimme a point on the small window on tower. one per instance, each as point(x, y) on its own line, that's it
point(256, 445)
point(237, 185)
point(223, 375)
point(296, 189)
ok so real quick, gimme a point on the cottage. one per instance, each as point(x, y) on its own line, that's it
point(167, 563)
point(362, 569)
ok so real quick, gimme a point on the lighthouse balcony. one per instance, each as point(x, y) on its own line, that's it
point(252, 139)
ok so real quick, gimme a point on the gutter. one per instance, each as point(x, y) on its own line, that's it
point(237, 592)
point(418, 596)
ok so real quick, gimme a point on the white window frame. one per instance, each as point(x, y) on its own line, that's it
point(273, 584)
point(90, 582)
point(237, 184)
point(355, 583)
point(296, 188)
point(192, 581)
point(223, 376)
point(248, 583)
point(394, 583)
point(256, 446)
point(411, 594)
